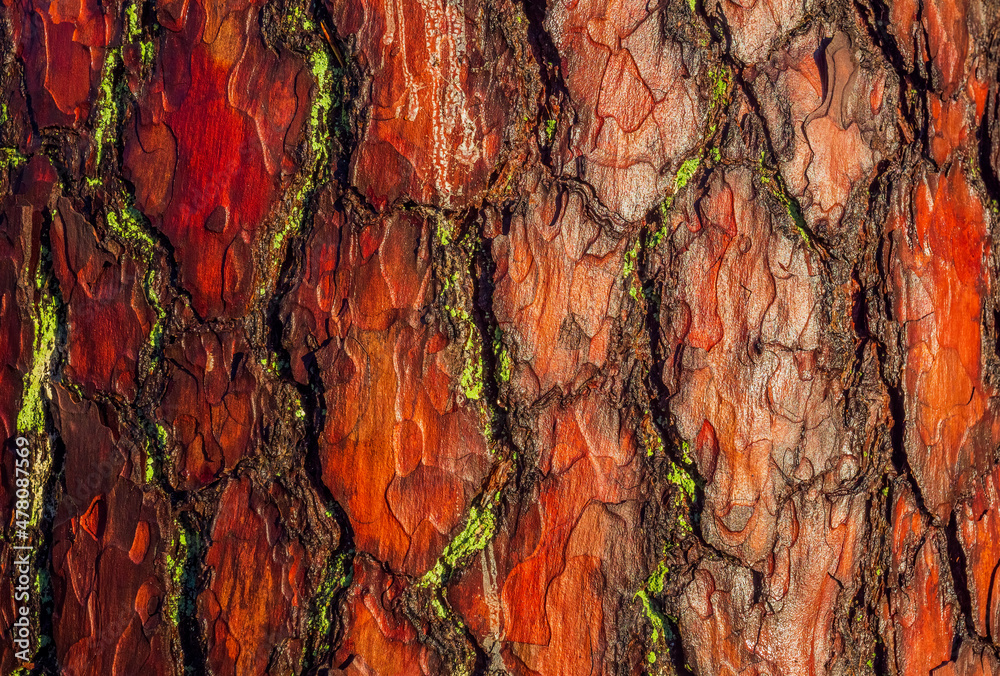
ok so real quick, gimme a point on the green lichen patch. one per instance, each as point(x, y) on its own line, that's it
point(336, 577)
point(550, 130)
point(720, 79)
point(504, 362)
point(630, 268)
point(130, 227)
point(653, 615)
point(155, 445)
point(31, 417)
point(317, 146)
point(680, 478)
point(44, 315)
point(686, 172)
point(774, 183)
point(181, 568)
point(480, 527)
point(106, 115)
point(11, 158)
point(113, 92)
point(453, 262)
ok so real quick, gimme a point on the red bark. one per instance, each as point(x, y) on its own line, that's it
point(489, 337)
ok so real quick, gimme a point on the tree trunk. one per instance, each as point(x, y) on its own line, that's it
point(476, 337)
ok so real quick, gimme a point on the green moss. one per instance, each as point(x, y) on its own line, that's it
point(128, 225)
point(297, 19)
point(629, 267)
point(654, 445)
point(504, 367)
point(631, 256)
point(479, 529)
point(505, 364)
point(156, 443)
point(322, 102)
point(661, 233)
point(471, 378)
point(685, 173)
point(775, 184)
point(146, 52)
point(438, 606)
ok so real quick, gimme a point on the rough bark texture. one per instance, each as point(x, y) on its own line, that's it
point(484, 337)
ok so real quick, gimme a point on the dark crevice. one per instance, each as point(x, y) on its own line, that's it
point(957, 564)
point(987, 135)
point(44, 643)
point(876, 18)
point(192, 643)
point(312, 396)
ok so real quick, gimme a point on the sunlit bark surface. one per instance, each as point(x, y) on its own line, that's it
point(611, 337)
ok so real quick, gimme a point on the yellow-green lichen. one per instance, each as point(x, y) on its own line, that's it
point(629, 267)
point(504, 362)
point(686, 453)
point(655, 617)
point(679, 477)
point(317, 138)
point(180, 559)
point(550, 130)
point(504, 367)
point(11, 157)
point(686, 172)
point(156, 441)
point(31, 417)
point(720, 80)
point(107, 106)
point(127, 226)
point(656, 580)
point(133, 28)
point(775, 184)
point(471, 378)
point(336, 577)
point(480, 526)
point(445, 232)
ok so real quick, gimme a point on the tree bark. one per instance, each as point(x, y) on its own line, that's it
point(484, 337)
